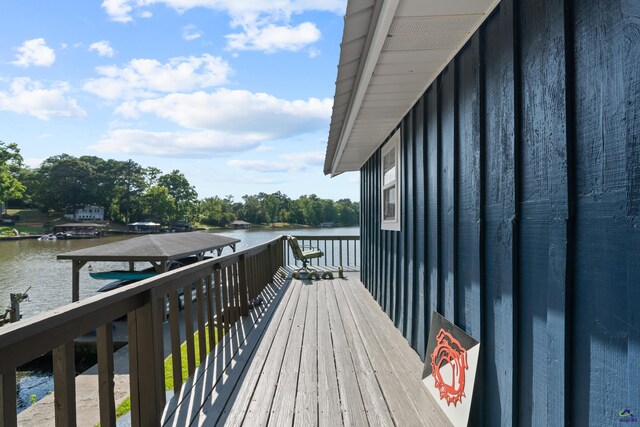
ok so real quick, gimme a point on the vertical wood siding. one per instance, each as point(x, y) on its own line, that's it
point(521, 212)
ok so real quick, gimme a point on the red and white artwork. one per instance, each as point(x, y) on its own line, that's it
point(450, 369)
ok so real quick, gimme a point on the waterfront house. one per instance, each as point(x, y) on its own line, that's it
point(500, 187)
point(87, 213)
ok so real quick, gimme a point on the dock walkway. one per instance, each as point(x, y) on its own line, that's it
point(321, 353)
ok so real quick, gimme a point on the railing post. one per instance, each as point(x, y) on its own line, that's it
point(146, 363)
point(104, 344)
point(8, 413)
point(244, 286)
point(64, 384)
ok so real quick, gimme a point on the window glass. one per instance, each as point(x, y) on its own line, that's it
point(390, 177)
point(389, 167)
point(390, 204)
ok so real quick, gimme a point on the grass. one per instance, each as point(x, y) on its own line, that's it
point(125, 406)
point(168, 363)
point(32, 221)
point(7, 230)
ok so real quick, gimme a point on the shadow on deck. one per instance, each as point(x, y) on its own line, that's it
point(314, 353)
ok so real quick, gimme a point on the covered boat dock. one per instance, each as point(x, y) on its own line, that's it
point(158, 249)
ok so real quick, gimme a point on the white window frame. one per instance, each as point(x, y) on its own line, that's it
point(392, 143)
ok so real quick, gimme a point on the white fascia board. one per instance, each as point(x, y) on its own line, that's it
point(381, 31)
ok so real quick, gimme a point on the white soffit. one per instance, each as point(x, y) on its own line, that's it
point(391, 51)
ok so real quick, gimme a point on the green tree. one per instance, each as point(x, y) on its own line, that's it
point(348, 212)
point(216, 211)
point(64, 184)
point(183, 193)
point(158, 205)
point(10, 165)
point(130, 184)
point(252, 210)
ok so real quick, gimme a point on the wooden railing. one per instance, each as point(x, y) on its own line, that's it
point(222, 288)
point(217, 291)
point(338, 250)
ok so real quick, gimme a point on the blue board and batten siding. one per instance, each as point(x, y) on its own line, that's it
point(520, 207)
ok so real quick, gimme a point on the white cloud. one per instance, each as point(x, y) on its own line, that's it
point(286, 163)
point(263, 22)
point(184, 144)
point(190, 32)
point(272, 38)
point(102, 48)
point(219, 124)
point(35, 52)
point(237, 111)
point(313, 52)
point(118, 10)
point(144, 77)
point(26, 96)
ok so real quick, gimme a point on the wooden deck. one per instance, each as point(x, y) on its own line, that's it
point(316, 353)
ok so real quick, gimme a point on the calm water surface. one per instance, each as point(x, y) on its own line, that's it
point(25, 263)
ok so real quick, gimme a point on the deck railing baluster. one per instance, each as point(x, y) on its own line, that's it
point(104, 347)
point(174, 327)
point(188, 328)
point(219, 304)
point(202, 334)
point(210, 321)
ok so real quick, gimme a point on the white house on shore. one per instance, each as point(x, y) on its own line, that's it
point(90, 213)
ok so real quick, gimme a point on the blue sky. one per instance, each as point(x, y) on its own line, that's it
point(235, 94)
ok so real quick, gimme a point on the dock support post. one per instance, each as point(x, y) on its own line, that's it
point(75, 280)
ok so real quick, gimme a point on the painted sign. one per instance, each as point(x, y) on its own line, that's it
point(450, 368)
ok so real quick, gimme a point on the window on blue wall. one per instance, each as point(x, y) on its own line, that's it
point(391, 184)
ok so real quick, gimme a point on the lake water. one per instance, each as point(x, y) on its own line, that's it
point(26, 263)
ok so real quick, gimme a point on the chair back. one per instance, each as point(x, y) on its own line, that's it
point(295, 248)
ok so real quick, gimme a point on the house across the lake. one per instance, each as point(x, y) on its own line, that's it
point(87, 213)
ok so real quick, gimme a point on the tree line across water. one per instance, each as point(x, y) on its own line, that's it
point(130, 192)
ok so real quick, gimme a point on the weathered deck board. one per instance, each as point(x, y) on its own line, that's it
point(403, 360)
point(375, 405)
point(217, 364)
point(328, 393)
point(284, 400)
point(226, 390)
point(306, 399)
point(350, 398)
point(321, 353)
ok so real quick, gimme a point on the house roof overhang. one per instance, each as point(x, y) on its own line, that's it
point(391, 51)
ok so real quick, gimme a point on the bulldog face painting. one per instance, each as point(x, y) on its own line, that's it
point(450, 368)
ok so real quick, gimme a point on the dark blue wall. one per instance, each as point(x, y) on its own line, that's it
point(521, 212)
